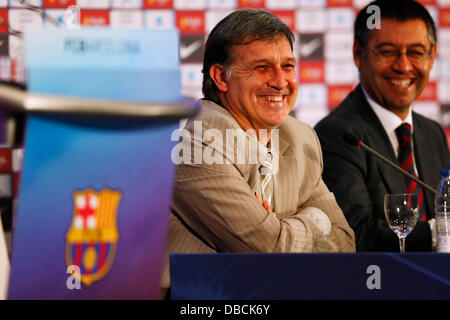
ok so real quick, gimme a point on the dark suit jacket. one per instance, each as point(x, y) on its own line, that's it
point(360, 181)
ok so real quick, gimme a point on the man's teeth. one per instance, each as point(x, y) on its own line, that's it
point(273, 98)
point(401, 83)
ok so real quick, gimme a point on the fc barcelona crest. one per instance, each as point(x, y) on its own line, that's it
point(91, 240)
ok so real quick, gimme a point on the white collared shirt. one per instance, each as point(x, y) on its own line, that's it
point(266, 164)
point(390, 121)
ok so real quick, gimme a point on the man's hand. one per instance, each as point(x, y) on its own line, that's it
point(317, 217)
point(266, 205)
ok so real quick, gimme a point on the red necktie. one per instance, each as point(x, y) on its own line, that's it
point(406, 160)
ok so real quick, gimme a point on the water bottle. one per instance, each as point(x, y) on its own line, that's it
point(442, 211)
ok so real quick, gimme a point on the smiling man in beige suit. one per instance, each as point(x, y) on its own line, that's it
point(258, 186)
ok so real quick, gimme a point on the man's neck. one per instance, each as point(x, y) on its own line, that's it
point(262, 135)
point(402, 113)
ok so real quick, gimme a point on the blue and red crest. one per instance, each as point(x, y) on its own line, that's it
point(91, 240)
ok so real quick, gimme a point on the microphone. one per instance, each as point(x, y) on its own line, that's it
point(350, 138)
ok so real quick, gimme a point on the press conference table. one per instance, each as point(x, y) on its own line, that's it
point(308, 276)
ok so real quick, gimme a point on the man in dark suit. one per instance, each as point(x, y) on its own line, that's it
point(394, 62)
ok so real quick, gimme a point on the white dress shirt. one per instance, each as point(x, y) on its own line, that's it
point(390, 121)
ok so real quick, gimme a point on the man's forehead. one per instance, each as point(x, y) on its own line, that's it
point(264, 49)
point(407, 32)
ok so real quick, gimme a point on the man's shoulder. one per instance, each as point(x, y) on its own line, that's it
point(295, 123)
point(347, 115)
point(424, 121)
point(212, 116)
point(430, 128)
point(210, 109)
point(295, 127)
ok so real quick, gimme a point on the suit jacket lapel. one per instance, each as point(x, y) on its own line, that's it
point(423, 151)
point(394, 180)
point(379, 141)
point(276, 197)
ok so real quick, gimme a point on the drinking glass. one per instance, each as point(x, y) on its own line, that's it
point(401, 211)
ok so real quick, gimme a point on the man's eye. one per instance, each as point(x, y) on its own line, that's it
point(262, 67)
point(388, 53)
point(415, 54)
point(289, 66)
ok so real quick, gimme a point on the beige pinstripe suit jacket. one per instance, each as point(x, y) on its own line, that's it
point(214, 208)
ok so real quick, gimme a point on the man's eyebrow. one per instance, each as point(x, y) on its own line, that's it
point(421, 45)
point(289, 59)
point(260, 61)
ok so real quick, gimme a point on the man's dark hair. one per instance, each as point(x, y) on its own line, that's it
point(239, 27)
point(400, 10)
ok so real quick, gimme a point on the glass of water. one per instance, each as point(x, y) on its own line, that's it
point(401, 211)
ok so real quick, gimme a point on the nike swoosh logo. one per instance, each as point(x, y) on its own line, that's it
point(307, 49)
point(186, 51)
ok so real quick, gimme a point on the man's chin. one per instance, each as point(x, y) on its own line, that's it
point(399, 106)
point(275, 120)
point(401, 102)
point(275, 124)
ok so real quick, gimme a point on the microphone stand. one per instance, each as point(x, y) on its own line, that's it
point(351, 139)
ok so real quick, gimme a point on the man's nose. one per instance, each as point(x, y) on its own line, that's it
point(402, 63)
point(278, 79)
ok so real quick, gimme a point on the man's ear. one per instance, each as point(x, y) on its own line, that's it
point(357, 53)
point(433, 55)
point(217, 73)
